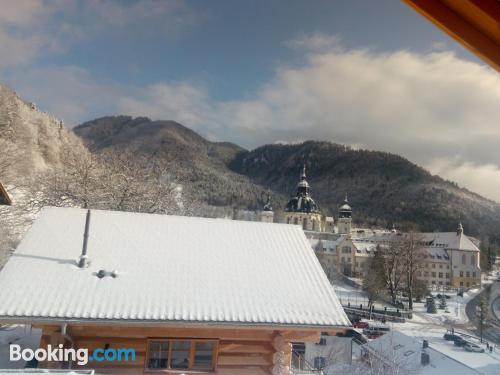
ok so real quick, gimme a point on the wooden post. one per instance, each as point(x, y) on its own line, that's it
point(282, 357)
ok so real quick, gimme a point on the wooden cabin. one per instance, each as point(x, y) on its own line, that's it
point(4, 196)
point(188, 295)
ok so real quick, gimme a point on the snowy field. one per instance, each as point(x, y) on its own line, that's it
point(454, 312)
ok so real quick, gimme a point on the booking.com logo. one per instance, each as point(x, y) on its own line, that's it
point(80, 356)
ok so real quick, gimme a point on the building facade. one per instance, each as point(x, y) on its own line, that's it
point(450, 259)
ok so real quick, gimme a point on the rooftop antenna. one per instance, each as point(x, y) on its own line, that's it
point(83, 261)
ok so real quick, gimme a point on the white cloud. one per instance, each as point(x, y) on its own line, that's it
point(422, 106)
point(315, 42)
point(426, 107)
point(68, 92)
point(33, 28)
point(182, 102)
point(482, 179)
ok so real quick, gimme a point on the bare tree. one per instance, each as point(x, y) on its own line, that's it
point(12, 162)
point(135, 182)
point(374, 282)
point(412, 256)
point(393, 264)
point(75, 182)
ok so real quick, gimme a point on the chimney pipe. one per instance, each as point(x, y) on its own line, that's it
point(83, 262)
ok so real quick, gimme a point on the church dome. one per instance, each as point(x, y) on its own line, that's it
point(345, 207)
point(302, 202)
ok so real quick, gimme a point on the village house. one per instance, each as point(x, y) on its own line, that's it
point(187, 294)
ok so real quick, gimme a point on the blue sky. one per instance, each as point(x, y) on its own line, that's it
point(235, 46)
point(372, 74)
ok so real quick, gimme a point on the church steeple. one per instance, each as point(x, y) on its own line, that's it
point(345, 214)
point(267, 206)
point(267, 214)
point(345, 211)
point(302, 201)
point(303, 185)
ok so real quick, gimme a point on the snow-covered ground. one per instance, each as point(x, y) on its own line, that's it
point(454, 312)
point(431, 327)
point(354, 296)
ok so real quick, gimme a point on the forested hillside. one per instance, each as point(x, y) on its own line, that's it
point(383, 188)
point(135, 164)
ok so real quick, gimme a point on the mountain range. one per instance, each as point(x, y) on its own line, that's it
point(384, 189)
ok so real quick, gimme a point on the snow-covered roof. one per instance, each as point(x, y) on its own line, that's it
point(364, 248)
point(445, 240)
point(169, 269)
point(330, 245)
point(450, 240)
point(437, 254)
point(404, 353)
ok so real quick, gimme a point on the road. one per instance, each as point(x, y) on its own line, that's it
point(491, 332)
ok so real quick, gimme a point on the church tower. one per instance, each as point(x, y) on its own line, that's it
point(301, 209)
point(267, 214)
point(345, 217)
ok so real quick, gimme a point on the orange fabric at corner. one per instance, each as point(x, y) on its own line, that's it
point(473, 23)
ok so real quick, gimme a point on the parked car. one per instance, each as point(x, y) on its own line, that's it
point(458, 341)
point(360, 324)
point(470, 347)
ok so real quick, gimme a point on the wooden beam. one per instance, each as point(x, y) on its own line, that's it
point(474, 24)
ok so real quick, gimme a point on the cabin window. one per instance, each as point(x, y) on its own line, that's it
point(158, 354)
point(472, 259)
point(463, 259)
point(181, 354)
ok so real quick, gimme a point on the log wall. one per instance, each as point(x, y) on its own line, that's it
point(242, 351)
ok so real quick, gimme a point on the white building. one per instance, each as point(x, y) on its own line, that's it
point(451, 259)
